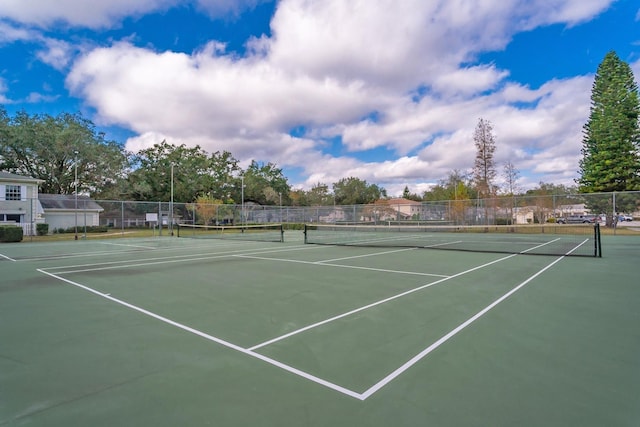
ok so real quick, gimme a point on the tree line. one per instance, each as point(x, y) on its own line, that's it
point(56, 149)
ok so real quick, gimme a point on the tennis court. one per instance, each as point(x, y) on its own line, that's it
point(169, 331)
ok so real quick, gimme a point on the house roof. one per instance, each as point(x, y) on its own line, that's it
point(68, 202)
point(403, 201)
point(6, 176)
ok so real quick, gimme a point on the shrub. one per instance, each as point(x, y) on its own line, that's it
point(10, 233)
point(42, 229)
point(293, 226)
point(81, 229)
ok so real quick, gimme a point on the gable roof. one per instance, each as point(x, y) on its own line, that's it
point(6, 176)
point(403, 201)
point(68, 202)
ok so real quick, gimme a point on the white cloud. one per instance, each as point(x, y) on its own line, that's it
point(404, 44)
point(105, 14)
point(35, 98)
point(227, 7)
point(54, 52)
point(57, 54)
point(11, 33)
point(99, 14)
point(3, 90)
point(635, 67)
point(205, 93)
point(468, 81)
point(331, 63)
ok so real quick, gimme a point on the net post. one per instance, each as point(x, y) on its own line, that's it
point(305, 234)
point(281, 233)
point(178, 229)
point(598, 250)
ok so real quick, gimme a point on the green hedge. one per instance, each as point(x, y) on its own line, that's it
point(10, 233)
point(81, 229)
point(42, 229)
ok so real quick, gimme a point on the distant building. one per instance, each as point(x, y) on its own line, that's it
point(19, 201)
point(406, 209)
point(62, 211)
point(20, 204)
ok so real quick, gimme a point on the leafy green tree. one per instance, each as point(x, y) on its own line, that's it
point(265, 184)
point(354, 191)
point(223, 168)
point(53, 148)
point(195, 173)
point(611, 142)
point(319, 195)
point(298, 197)
point(456, 186)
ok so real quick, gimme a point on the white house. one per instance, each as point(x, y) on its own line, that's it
point(20, 204)
point(66, 211)
point(19, 201)
point(405, 208)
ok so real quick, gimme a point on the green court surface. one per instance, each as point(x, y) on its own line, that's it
point(168, 331)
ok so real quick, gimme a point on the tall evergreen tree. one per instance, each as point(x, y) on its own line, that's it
point(611, 142)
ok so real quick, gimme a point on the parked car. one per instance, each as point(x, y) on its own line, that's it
point(625, 217)
point(577, 219)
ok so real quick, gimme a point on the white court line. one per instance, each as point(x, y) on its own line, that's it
point(113, 265)
point(222, 342)
point(137, 261)
point(7, 258)
point(74, 255)
point(410, 291)
point(129, 246)
point(382, 301)
point(326, 264)
point(415, 359)
point(218, 244)
point(360, 396)
point(367, 255)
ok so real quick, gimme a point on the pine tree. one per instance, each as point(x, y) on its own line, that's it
point(611, 142)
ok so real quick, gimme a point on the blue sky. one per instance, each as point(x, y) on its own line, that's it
point(386, 91)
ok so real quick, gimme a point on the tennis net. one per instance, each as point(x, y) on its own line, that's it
point(260, 232)
point(543, 239)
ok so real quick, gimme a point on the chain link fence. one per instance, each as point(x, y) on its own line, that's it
point(163, 216)
point(495, 211)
